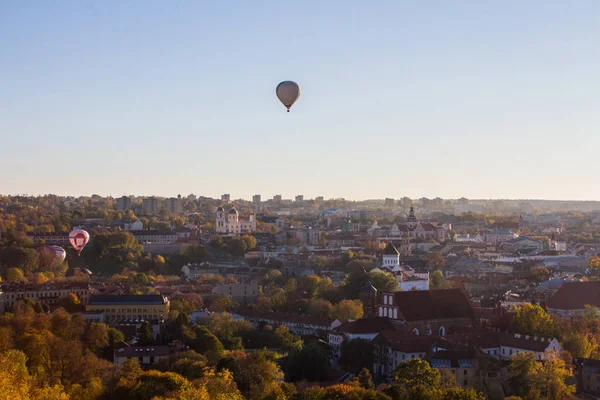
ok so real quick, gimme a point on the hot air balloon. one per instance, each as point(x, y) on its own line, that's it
point(79, 238)
point(288, 92)
point(51, 255)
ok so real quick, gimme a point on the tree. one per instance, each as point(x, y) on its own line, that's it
point(520, 371)
point(14, 275)
point(196, 253)
point(550, 378)
point(435, 260)
point(416, 373)
point(146, 338)
point(27, 260)
point(594, 265)
point(348, 309)
point(249, 241)
point(384, 282)
point(580, 345)
point(96, 336)
point(236, 247)
point(356, 354)
point(457, 393)
point(71, 302)
point(256, 376)
point(540, 274)
point(436, 278)
point(530, 319)
point(365, 379)
point(289, 342)
point(320, 307)
point(310, 364)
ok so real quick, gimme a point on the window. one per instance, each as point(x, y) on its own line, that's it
point(465, 383)
point(465, 373)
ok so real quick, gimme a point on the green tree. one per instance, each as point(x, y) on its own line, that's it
point(416, 373)
point(580, 345)
point(146, 338)
point(289, 342)
point(594, 265)
point(520, 372)
point(436, 278)
point(356, 354)
point(236, 247)
point(249, 241)
point(457, 393)
point(530, 319)
point(384, 282)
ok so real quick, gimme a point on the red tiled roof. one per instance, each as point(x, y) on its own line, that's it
point(433, 304)
point(406, 343)
point(367, 325)
point(575, 296)
point(285, 317)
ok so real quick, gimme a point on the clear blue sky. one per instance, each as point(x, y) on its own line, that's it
point(483, 99)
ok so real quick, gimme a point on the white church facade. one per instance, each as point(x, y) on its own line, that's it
point(229, 222)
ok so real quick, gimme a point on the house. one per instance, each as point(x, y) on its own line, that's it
point(413, 228)
point(588, 376)
point(55, 238)
point(146, 355)
point(392, 347)
point(497, 236)
point(522, 244)
point(502, 345)
point(46, 293)
point(428, 312)
point(154, 236)
point(136, 225)
point(365, 328)
point(134, 307)
point(571, 299)
point(303, 325)
point(470, 368)
point(244, 293)
point(407, 278)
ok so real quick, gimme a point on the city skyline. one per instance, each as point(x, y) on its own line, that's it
point(418, 100)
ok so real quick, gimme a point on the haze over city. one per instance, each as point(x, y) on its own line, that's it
point(444, 99)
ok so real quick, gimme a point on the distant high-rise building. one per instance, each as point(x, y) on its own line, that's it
point(319, 199)
point(192, 196)
point(277, 198)
point(299, 198)
point(389, 202)
point(226, 197)
point(124, 203)
point(151, 205)
point(405, 202)
point(256, 200)
point(173, 204)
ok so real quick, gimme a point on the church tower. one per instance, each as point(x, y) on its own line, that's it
point(411, 220)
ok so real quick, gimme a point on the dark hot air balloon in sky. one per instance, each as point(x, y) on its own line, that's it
point(288, 92)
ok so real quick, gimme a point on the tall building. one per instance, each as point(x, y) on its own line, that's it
point(299, 198)
point(173, 204)
point(256, 200)
point(389, 202)
point(229, 222)
point(277, 198)
point(319, 199)
point(226, 197)
point(124, 203)
point(405, 202)
point(151, 205)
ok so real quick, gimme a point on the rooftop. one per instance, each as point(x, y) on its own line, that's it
point(148, 299)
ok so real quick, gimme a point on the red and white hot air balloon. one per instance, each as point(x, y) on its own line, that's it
point(79, 238)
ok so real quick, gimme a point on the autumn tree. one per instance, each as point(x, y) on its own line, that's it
point(237, 247)
point(435, 260)
point(540, 274)
point(531, 319)
point(348, 310)
point(289, 342)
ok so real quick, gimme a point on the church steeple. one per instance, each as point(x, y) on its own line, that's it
point(411, 220)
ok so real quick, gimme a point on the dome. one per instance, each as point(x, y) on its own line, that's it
point(233, 211)
point(220, 208)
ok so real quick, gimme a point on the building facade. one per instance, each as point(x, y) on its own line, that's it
point(119, 307)
point(47, 293)
point(229, 222)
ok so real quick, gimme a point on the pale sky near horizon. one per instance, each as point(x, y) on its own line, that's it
point(482, 99)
